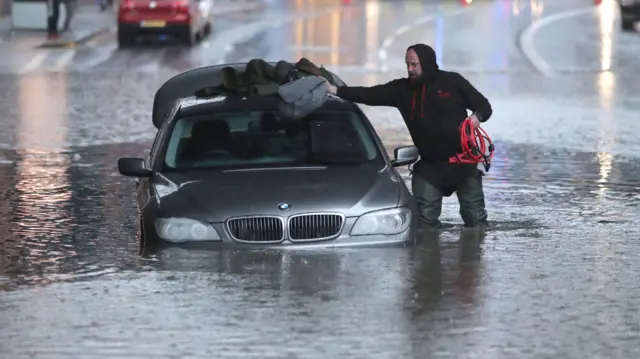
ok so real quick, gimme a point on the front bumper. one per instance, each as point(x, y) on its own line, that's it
point(175, 29)
point(401, 239)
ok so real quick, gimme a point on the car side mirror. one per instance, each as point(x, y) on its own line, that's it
point(404, 156)
point(133, 167)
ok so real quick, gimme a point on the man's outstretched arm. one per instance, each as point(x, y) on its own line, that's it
point(379, 95)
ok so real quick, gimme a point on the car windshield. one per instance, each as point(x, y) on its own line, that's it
point(260, 139)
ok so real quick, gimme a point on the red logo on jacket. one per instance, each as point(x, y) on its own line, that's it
point(443, 94)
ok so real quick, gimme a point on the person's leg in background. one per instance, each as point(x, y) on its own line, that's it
point(471, 199)
point(429, 202)
point(52, 20)
point(69, 9)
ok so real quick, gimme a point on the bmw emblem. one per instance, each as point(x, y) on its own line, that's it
point(283, 206)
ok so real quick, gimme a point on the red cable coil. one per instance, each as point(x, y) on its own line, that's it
point(475, 145)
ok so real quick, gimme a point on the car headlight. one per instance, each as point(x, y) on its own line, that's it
point(388, 221)
point(180, 230)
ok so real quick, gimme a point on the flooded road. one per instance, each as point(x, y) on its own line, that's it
point(554, 277)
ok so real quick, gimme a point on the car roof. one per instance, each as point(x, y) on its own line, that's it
point(194, 106)
point(184, 85)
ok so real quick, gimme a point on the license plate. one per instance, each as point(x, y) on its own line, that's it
point(153, 23)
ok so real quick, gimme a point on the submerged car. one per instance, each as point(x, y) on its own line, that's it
point(226, 170)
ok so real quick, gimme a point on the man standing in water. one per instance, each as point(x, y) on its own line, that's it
point(433, 104)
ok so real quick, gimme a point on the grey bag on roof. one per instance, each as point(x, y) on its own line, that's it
point(301, 97)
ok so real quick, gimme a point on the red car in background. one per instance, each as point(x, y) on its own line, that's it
point(185, 20)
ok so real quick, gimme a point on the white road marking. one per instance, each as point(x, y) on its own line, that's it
point(528, 35)
point(389, 40)
point(401, 30)
point(63, 61)
point(35, 62)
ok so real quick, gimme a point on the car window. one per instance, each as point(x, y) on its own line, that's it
point(262, 139)
point(160, 136)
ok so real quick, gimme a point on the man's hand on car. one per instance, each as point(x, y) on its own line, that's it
point(330, 88)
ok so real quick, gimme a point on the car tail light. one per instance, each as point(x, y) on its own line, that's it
point(127, 5)
point(181, 6)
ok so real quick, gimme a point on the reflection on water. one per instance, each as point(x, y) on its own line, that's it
point(41, 213)
point(606, 12)
point(44, 126)
point(64, 217)
point(327, 38)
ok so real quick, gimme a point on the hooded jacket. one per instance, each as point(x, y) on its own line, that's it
point(433, 110)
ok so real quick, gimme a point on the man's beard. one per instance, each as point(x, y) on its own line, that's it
point(415, 80)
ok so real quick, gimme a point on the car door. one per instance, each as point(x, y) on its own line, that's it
point(143, 184)
point(153, 161)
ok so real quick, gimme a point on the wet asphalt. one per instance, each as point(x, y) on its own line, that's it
point(554, 277)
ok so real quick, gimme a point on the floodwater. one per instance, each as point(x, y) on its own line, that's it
point(554, 277)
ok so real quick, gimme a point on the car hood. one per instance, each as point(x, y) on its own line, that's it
point(217, 195)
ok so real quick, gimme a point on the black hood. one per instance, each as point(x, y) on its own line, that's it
point(428, 63)
point(430, 68)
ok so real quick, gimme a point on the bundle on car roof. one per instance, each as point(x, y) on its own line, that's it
point(300, 86)
point(261, 78)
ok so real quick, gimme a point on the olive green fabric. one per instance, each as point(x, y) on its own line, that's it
point(261, 78)
point(470, 197)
